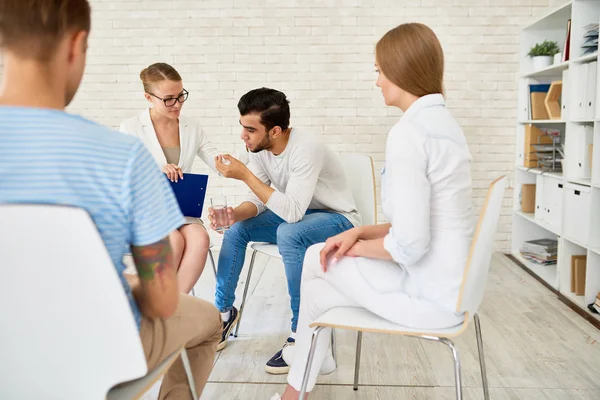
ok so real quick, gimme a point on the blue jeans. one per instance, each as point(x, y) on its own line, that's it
point(292, 239)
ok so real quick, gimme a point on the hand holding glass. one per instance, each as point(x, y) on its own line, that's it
point(220, 218)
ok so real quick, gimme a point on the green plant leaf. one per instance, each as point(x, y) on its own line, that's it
point(546, 48)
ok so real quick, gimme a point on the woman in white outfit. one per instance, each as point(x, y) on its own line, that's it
point(407, 271)
point(174, 141)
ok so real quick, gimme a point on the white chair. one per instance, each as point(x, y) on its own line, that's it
point(470, 297)
point(361, 178)
point(68, 331)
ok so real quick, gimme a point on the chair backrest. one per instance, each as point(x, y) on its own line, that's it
point(67, 329)
point(480, 255)
point(361, 178)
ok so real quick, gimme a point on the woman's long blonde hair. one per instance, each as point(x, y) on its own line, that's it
point(411, 57)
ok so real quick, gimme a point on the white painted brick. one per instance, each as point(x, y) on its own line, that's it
point(321, 54)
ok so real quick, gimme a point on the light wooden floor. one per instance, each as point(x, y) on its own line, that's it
point(535, 346)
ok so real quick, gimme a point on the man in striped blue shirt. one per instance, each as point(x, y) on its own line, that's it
point(50, 157)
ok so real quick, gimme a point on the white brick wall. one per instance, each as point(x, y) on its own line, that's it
point(320, 53)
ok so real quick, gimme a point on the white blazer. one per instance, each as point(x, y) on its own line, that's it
point(192, 140)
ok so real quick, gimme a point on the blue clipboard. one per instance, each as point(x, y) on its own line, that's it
point(190, 193)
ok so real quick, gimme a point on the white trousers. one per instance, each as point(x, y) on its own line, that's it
point(356, 282)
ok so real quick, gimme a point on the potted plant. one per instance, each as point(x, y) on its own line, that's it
point(543, 53)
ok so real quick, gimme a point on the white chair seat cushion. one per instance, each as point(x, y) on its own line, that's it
point(360, 319)
point(266, 248)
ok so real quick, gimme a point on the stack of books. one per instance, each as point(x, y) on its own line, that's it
point(590, 39)
point(596, 304)
point(541, 251)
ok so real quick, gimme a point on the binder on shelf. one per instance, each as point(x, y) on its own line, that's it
point(567, 47)
point(582, 93)
point(537, 95)
point(591, 91)
point(578, 269)
point(578, 151)
point(564, 98)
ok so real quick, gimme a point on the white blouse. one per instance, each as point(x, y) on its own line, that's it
point(426, 196)
point(192, 141)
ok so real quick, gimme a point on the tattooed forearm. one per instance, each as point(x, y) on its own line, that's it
point(153, 260)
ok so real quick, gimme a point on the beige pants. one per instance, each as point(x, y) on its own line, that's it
point(197, 326)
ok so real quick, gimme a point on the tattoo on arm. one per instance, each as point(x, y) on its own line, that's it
point(153, 260)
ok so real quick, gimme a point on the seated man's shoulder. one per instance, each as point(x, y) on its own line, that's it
point(104, 135)
point(307, 142)
point(100, 142)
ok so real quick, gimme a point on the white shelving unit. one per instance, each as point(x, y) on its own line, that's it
point(567, 203)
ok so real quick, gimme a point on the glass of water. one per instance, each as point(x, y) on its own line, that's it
point(221, 219)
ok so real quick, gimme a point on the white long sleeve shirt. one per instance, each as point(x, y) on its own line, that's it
point(193, 141)
point(426, 195)
point(306, 175)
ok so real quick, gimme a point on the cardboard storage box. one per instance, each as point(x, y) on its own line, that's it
point(533, 135)
point(528, 198)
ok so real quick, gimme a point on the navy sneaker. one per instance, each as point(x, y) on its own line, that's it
point(228, 327)
point(277, 365)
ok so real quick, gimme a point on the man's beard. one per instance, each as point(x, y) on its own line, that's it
point(265, 144)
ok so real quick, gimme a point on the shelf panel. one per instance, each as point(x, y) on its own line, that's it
point(552, 70)
point(536, 171)
point(547, 273)
point(539, 171)
point(531, 218)
point(586, 58)
point(583, 182)
point(552, 19)
point(544, 121)
point(527, 216)
point(575, 242)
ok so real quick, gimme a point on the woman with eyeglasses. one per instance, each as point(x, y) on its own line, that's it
point(174, 141)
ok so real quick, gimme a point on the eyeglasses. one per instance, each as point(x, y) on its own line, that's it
point(170, 102)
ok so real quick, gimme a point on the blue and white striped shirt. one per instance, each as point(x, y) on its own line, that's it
point(51, 157)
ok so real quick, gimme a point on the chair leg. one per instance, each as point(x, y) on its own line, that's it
point(188, 372)
point(237, 328)
point(484, 381)
point(357, 362)
point(311, 356)
point(457, 377)
point(212, 261)
point(333, 349)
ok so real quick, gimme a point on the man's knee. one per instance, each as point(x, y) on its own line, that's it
point(237, 233)
point(205, 315)
point(287, 235)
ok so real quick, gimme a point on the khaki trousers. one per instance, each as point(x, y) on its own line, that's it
point(196, 325)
